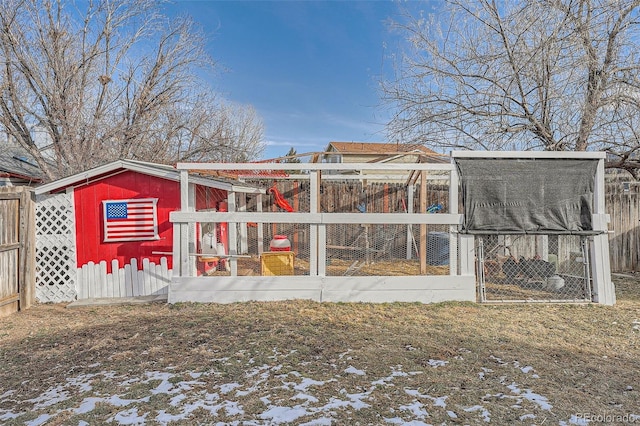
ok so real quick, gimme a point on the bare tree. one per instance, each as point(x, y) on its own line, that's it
point(85, 83)
point(230, 133)
point(538, 74)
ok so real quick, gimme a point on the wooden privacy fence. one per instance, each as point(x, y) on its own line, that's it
point(354, 196)
point(623, 205)
point(17, 244)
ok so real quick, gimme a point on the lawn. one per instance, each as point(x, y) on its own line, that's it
point(301, 362)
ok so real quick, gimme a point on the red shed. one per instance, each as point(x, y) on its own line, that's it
point(105, 232)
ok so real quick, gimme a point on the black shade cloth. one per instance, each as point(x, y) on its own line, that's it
point(527, 196)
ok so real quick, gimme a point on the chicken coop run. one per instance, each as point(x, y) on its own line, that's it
point(539, 226)
point(529, 227)
point(355, 232)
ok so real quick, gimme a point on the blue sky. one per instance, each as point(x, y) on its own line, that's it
point(311, 69)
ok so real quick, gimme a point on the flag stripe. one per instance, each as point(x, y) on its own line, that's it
point(140, 229)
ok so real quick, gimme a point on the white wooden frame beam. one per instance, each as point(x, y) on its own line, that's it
point(404, 167)
point(319, 218)
point(368, 177)
point(551, 155)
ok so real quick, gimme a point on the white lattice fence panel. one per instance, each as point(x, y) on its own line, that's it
point(55, 248)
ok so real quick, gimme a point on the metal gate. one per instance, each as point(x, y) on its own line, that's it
point(533, 268)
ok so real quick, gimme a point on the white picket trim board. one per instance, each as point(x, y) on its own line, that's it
point(129, 281)
point(372, 289)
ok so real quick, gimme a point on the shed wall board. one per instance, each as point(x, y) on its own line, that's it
point(89, 220)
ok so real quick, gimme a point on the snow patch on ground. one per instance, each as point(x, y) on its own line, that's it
point(540, 400)
point(291, 397)
point(352, 370)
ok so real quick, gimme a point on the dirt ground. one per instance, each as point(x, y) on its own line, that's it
point(301, 362)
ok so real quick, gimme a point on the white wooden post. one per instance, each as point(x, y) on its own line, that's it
point(233, 235)
point(242, 207)
point(260, 225)
point(410, 239)
point(177, 244)
point(423, 227)
point(314, 193)
point(183, 260)
point(193, 261)
point(466, 242)
point(72, 260)
point(505, 240)
point(453, 229)
point(603, 289)
point(467, 254)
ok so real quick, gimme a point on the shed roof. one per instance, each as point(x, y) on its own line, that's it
point(15, 162)
point(153, 169)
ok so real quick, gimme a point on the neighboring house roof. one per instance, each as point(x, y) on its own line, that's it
point(383, 150)
point(153, 169)
point(244, 174)
point(376, 148)
point(18, 165)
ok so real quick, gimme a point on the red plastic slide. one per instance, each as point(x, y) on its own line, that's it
point(280, 201)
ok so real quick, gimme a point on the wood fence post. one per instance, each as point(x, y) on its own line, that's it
point(28, 246)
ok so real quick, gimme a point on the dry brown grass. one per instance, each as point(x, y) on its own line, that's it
point(583, 358)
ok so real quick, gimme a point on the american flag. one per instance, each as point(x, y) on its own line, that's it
point(130, 220)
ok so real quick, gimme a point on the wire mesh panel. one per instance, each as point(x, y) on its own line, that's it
point(382, 250)
point(533, 268)
point(298, 237)
point(265, 244)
